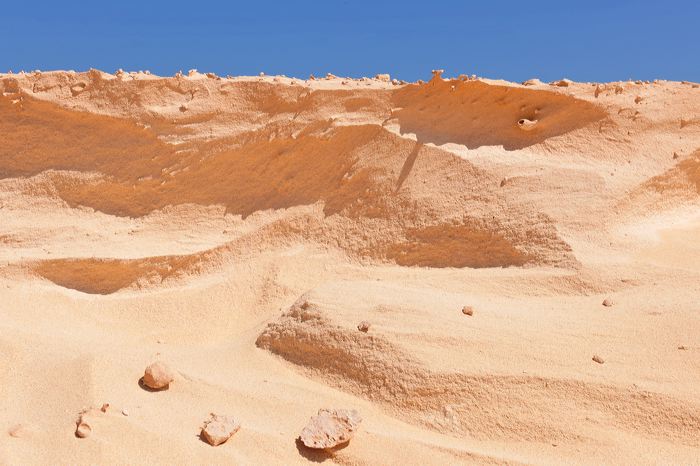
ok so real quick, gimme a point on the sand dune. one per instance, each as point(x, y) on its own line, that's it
point(241, 229)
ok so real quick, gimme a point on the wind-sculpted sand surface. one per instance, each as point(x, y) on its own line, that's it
point(270, 270)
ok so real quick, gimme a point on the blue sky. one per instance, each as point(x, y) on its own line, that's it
point(582, 40)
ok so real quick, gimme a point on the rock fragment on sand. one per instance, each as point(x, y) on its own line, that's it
point(83, 429)
point(598, 359)
point(608, 302)
point(330, 428)
point(527, 125)
point(468, 311)
point(562, 83)
point(158, 376)
point(218, 429)
point(363, 326)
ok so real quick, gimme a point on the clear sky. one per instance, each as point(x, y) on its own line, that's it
point(585, 40)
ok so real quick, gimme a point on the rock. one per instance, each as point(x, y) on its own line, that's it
point(158, 376)
point(527, 125)
point(77, 89)
point(675, 155)
point(683, 348)
point(383, 77)
point(192, 72)
point(125, 412)
point(562, 83)
point(638, 99)
point(363, 326)
point(330, 428)
point(83, 430)
point(607, 302)
point(598, 359)
point(262, 74)
point(437, 74)
point(217, 429)
point(395, 82)
point(105, 407)
point(532, 82)
point(468, 310)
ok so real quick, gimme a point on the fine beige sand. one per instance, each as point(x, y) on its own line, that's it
point(240, 229)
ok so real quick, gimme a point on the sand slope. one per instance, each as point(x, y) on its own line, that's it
point(242, 228)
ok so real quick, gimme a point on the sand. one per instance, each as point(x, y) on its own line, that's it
point(241, 229)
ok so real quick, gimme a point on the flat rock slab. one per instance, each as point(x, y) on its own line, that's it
point(218, 429)
point(330, 428)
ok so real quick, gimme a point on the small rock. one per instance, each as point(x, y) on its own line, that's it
point(77, 89)
point(682, 347)
point(262, 74)
point(217, 429)
point(468, 311)
point(527, 125)
point(532, 82)
point(675, 155)
point(83, 430)
point(125, 412)
point(562, 83)
point(363, 326)
point(608, 302)
point(383, 77)
point(598, 359)
point(158, 376)
point(330, 428)
point(104, 407)
point(637, 99)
